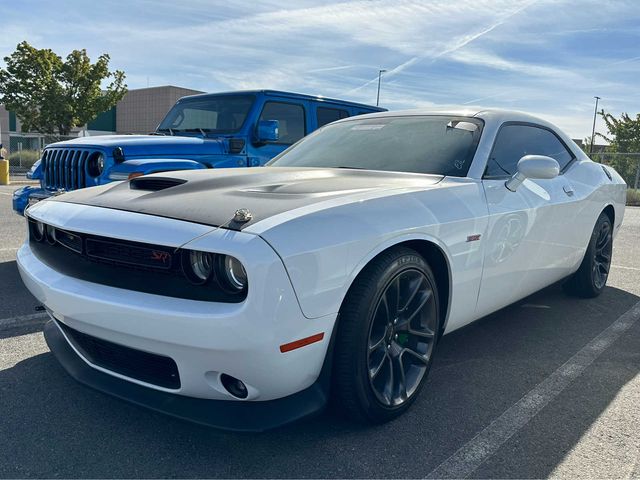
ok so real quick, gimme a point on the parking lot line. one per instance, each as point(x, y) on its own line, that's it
point(481, 447)
point(626, 268)
point(17, 320)
point(5, 193)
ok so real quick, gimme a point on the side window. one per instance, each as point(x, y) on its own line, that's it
point(327, 115)
point(290, 117)
point(516, 141)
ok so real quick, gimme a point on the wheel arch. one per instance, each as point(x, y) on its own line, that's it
point(611, 213)
point(434, 253)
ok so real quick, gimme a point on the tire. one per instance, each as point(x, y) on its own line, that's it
point(374, 355)
point(590, 279)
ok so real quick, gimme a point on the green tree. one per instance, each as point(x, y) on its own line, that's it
point(51, 95)
point(624, 138)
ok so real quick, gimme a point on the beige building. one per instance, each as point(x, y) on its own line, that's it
point(141, 110)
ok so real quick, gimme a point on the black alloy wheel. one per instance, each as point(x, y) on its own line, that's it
point(591, 277)
point(602, 256)
point(401, 337)
point(387, 331)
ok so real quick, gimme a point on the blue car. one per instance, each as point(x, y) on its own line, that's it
point(222, 130)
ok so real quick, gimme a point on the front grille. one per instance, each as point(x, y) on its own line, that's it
point(127, 253)
point(141, 267)
point(146, 367)
point(65, 168)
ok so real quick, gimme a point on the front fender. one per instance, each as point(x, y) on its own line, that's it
point(35, 172)
point(144, 166)
point(325, 250)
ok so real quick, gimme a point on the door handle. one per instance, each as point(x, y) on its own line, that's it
point(568, 190)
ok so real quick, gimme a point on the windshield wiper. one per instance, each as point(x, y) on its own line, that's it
point(350, 167)
point(161, 130)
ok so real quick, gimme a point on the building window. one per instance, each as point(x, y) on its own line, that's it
point(12, 122)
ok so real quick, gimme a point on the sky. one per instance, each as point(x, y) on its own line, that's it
point(544, 57)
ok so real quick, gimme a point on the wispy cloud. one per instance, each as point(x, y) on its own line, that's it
point(546, 56)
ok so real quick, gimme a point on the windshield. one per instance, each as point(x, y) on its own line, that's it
point(441, 145)
point(219, 114)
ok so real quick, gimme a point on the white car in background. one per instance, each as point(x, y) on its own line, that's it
point(246, 298)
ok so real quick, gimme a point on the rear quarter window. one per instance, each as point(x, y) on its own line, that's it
point(326, 115)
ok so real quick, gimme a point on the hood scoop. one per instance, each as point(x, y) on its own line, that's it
point(154, 184)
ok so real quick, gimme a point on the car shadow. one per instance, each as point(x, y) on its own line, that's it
point(55, 427)
point(16, 300)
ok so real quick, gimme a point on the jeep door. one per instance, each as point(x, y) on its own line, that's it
point(291, 115)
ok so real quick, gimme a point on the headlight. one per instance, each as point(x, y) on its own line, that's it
point(36, 230)
point(50, 233)
point(95, 164)
point(231, 274)
point(197, 266)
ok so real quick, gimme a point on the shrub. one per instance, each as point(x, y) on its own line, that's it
point(633, 197)
point(27, 157)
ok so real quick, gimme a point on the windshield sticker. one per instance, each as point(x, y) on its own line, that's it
point(367, 127)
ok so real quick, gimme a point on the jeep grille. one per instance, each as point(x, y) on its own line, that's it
point(65, 168)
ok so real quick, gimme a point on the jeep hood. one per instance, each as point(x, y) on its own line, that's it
point(150, 145)
point(211, 197)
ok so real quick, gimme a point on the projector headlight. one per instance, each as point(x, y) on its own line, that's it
point(50, 234)
point(197, 266)
point(36, 230)
point(231, 274)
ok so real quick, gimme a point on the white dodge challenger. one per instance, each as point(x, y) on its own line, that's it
point(248, 298)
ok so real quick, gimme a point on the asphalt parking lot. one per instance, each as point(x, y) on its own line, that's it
point(547, 387)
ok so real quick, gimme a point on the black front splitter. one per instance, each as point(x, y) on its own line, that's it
point(250, 416)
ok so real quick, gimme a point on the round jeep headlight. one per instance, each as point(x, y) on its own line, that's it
point(197, 266)
point(231, 273)
point(95, 164)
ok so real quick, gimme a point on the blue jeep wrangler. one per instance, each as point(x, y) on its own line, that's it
point(237, 129)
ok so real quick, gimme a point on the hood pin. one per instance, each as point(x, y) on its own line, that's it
point(242, 215)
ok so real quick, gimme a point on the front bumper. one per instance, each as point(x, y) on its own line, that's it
point(228, 415)
point(205, 339)
point(22, 195)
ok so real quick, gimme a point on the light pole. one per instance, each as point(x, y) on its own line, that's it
point(380, 72)
point(593, 130)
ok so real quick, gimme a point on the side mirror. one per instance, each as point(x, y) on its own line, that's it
point(533, 166)
point(267, 131)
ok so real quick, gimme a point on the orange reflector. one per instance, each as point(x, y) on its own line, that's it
point(135, 174)
point(303, 342)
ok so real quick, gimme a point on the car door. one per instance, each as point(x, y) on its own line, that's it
point(529, 243)
point(292, 126)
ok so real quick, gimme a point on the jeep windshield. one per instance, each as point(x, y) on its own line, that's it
point(441, 145)
point(215, 114)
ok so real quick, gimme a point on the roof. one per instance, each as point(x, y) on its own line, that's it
point(317, 98)
point(494, 115)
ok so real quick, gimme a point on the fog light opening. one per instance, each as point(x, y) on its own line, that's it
point(234, 386)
